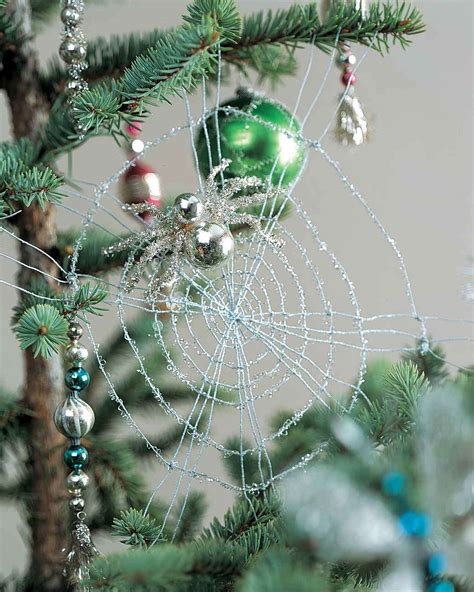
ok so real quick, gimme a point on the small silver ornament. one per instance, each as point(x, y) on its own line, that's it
point(352, 126)
point(75, 86)
point(188, 208)
point(74, 331)
point(77, 481)
point(74, 418)
point(82, 552)
point(77, 504)
point(346, 59)
point(73, 49)
point(75, 352)
point(209, 244)
point(71, 16)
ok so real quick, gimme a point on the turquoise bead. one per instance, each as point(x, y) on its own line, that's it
point(77, 379)
point(76, 457)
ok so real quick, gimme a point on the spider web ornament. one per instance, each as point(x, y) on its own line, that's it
point(263, 325)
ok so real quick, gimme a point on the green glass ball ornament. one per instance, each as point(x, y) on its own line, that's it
point(76, 457)
point(77, 378)
point(259, 148)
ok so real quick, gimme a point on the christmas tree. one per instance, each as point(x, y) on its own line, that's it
point(368, 513)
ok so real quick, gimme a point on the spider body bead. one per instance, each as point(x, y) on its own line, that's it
point(209, 244)
point(188, 208)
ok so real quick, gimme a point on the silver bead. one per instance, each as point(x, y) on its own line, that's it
point(188, 208)
point(209, 244)
point(75, 352)
point(74, 417)
point(73, 50)
point(74, 331)
point(77, 504)
point(71, 16)
point(347, 59)
point(76, 482)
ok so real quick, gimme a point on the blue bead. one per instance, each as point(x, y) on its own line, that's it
point(414, 524)
point(76, 457)
point(393, 483)
point(437, 564)
point(77, 379)
point(441, 587)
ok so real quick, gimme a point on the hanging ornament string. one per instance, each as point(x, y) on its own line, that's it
point(74, 418)
point(351, 125)
point(73, 48)
point(140, 183)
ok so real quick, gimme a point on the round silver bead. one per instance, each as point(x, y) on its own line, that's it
point(74, 417)
point(347, 59)
point(209, 244)
point(76, 482)
point(75, 352)
point(77, 504)
point(74, 331)
point(71, 16)
point(73, 50)
point(188, 208)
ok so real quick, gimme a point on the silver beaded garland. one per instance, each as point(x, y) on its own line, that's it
point(73, 47)
point(75, 418)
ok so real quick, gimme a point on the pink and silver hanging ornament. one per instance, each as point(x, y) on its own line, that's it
point(140, 183)
point(351, 127)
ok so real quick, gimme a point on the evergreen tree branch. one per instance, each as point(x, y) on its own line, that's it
point(180, 58)
point(21, 182)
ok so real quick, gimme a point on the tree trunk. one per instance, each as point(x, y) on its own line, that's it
point(42, 383)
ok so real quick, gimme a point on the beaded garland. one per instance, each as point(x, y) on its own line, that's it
point(74, 418)
point(418, 526)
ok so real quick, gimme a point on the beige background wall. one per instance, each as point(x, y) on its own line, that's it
point(416, 174)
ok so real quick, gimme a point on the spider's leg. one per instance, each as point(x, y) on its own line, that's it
point(150, 252)
point(247, 200)
point(126, 243)
point(144, 207)
point(254, 224)
point(211, 185)
point(165, 276)
point(233, 186)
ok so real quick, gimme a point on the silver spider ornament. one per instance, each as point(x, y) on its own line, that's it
point(195, 228)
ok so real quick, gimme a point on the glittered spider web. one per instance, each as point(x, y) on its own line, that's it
point(266, 324)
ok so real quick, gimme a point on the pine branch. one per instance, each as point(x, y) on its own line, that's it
point(179, 59)
point(43, 329)
point(140, 529)
point(431, 364)
point(106, 59)
point(22, 183)
point(92, 260)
